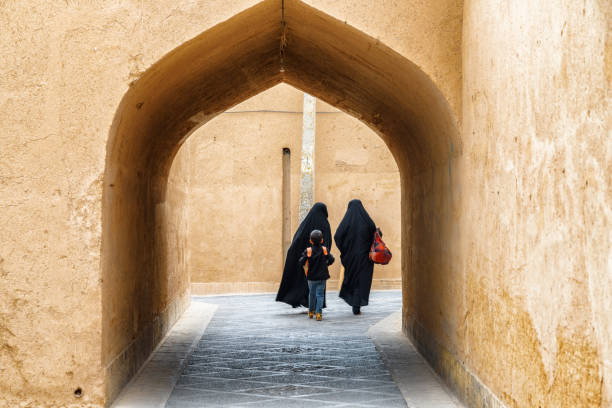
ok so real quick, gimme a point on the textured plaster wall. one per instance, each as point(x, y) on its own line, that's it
point(353, 162)
point(533, 277)
point(235, 201)
point(428, 33)
point(52, 137)
point(64, 67)
point(235, 185)
point(506, 229)
point(184, 90)
point(176, 229)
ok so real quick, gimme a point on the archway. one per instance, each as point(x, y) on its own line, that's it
point(269, 43)
point(237, 179)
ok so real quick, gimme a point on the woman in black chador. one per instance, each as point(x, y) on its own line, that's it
point(354, 238)
point(294, 287)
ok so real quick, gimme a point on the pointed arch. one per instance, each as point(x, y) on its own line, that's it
point(205, 76)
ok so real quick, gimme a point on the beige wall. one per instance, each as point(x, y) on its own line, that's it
point(235, 204)
point(353, 162)
point(64, 68)
point(519, 303)
point(235, 207)
point(538, 153)
point(505, 189)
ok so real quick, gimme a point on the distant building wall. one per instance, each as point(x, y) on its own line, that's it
point(235, 190)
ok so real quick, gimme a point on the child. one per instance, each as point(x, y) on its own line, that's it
point(316, 258)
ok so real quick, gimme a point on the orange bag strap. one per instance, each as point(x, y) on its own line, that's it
point(309, 251)
point(308, 254)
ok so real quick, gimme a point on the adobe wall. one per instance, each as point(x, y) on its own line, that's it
point(235, 205)
point(538, 157)
point(353, 162)
point(506, 258)
point(519, 306)
point(235, 188)
point(67, 67)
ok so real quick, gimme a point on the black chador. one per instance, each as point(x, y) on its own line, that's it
point(294, 287)
point(353, 239)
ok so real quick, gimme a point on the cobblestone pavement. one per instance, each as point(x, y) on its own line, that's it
point(260, 353)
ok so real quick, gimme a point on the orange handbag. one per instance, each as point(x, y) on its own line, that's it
point(379, 253)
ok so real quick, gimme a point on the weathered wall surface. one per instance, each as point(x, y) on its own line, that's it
point(52, 138)
point(174, 234)
point(526, 306)
point(428, 33)
point(235, 187)
point(235, 204)
point(506, 230)
point(537, 140)
point(353, 162)
point(65, 68)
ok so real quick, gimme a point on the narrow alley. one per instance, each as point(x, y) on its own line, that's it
point(257, 352)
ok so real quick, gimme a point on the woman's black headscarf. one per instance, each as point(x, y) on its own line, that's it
point(294, 287)
point(354, 238)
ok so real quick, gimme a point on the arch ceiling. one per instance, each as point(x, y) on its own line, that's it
point(223, 66)
point(253, 51)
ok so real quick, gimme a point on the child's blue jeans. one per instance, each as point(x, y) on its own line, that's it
point(316, 296)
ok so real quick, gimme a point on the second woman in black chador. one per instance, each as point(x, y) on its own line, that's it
point(294, 286)
point(353, 239)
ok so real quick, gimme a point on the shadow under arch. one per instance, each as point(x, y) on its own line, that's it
point(205, 76)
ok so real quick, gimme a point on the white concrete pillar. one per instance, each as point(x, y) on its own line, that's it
point(308, 156)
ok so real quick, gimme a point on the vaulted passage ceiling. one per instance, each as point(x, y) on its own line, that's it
point(270, 43)
point(276, 42)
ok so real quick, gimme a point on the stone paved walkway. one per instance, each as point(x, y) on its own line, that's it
point(260, 353)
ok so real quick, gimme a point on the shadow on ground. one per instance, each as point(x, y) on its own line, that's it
point(257, 352)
